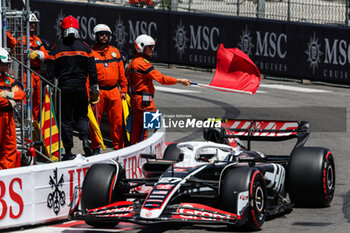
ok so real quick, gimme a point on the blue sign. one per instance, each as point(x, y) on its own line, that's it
point(152, 120)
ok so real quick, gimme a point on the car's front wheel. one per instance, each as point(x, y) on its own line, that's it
point(244, 193)
point(100, 188)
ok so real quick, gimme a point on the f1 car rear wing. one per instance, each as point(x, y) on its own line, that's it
point(259, 130)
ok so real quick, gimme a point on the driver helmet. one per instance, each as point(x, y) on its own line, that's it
point(207, 154)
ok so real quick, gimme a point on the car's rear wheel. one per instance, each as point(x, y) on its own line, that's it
point(311, 177)
point(244, 193)
point(100, 188)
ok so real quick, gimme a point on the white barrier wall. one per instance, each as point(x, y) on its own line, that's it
point(42, 193)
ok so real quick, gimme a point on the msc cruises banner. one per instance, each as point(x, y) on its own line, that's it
point(299, 50)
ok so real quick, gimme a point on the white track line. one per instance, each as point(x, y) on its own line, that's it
point(271, 86)
point(292, 88)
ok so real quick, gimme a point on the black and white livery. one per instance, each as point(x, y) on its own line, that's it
point(219, 180)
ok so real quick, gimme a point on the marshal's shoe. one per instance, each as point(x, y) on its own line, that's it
point(86, 147)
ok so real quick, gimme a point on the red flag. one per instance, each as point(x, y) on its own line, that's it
point(235, 72)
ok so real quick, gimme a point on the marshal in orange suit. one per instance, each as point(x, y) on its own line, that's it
point(38, 54)
point(112, 83)
point(141, 74)
point(10, 93)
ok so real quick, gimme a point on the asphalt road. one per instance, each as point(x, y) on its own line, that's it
point(325, 107)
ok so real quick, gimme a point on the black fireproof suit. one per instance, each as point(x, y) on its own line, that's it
point(71, 63)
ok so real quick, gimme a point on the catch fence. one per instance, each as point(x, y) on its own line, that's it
point(28, 130)
point(335, 12)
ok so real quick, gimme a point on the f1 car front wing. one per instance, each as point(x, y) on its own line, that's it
point(128, 211)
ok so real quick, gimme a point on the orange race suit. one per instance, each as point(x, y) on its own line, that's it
point(35, 64)
point(11, 41)
point(141, 74)
point(111, 76)
point(8, 143)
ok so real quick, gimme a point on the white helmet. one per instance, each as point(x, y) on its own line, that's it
point(33, 18)
point(207, 154)
point(142, 41)
point(101, 28)
point(5, 56)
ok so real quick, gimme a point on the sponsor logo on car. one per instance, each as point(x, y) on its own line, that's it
point(151, 205)
point(154, 200)
point(149, 214)
point(201, 212)
point(153, 196)
point(118, 212)
point(170, 180)
point(164, 186)
point(160, 192)
point(180, 170)
point(243, 197)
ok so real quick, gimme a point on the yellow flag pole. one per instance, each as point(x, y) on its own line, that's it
point(126, 104)
point(95, 127)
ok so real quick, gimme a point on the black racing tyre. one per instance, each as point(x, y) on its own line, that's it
point(172, 152)
point(99, 190)
point(311, 177)
point(251, 181)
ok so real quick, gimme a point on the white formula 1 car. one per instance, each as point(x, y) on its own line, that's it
point(219, 180)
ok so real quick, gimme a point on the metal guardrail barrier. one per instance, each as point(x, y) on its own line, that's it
point(309, 11)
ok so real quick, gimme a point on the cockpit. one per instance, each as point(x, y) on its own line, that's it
point(207, 155)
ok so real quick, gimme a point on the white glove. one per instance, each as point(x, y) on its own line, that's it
point(7, 94)
point(13, 103)
point(40, 55)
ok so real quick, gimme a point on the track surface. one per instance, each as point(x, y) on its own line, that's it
point(325, 107)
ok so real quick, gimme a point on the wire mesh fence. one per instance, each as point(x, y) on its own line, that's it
point(29, 130)
point(309, 11)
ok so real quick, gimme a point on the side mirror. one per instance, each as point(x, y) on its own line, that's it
point(148, 156)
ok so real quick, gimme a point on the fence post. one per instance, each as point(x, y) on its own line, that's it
point(238, 7)
point(347, 4)
point(260, 9)
point(29, 110)
point(189, 5)
point(174, 5)
point(3, 24)
point(288, 14)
